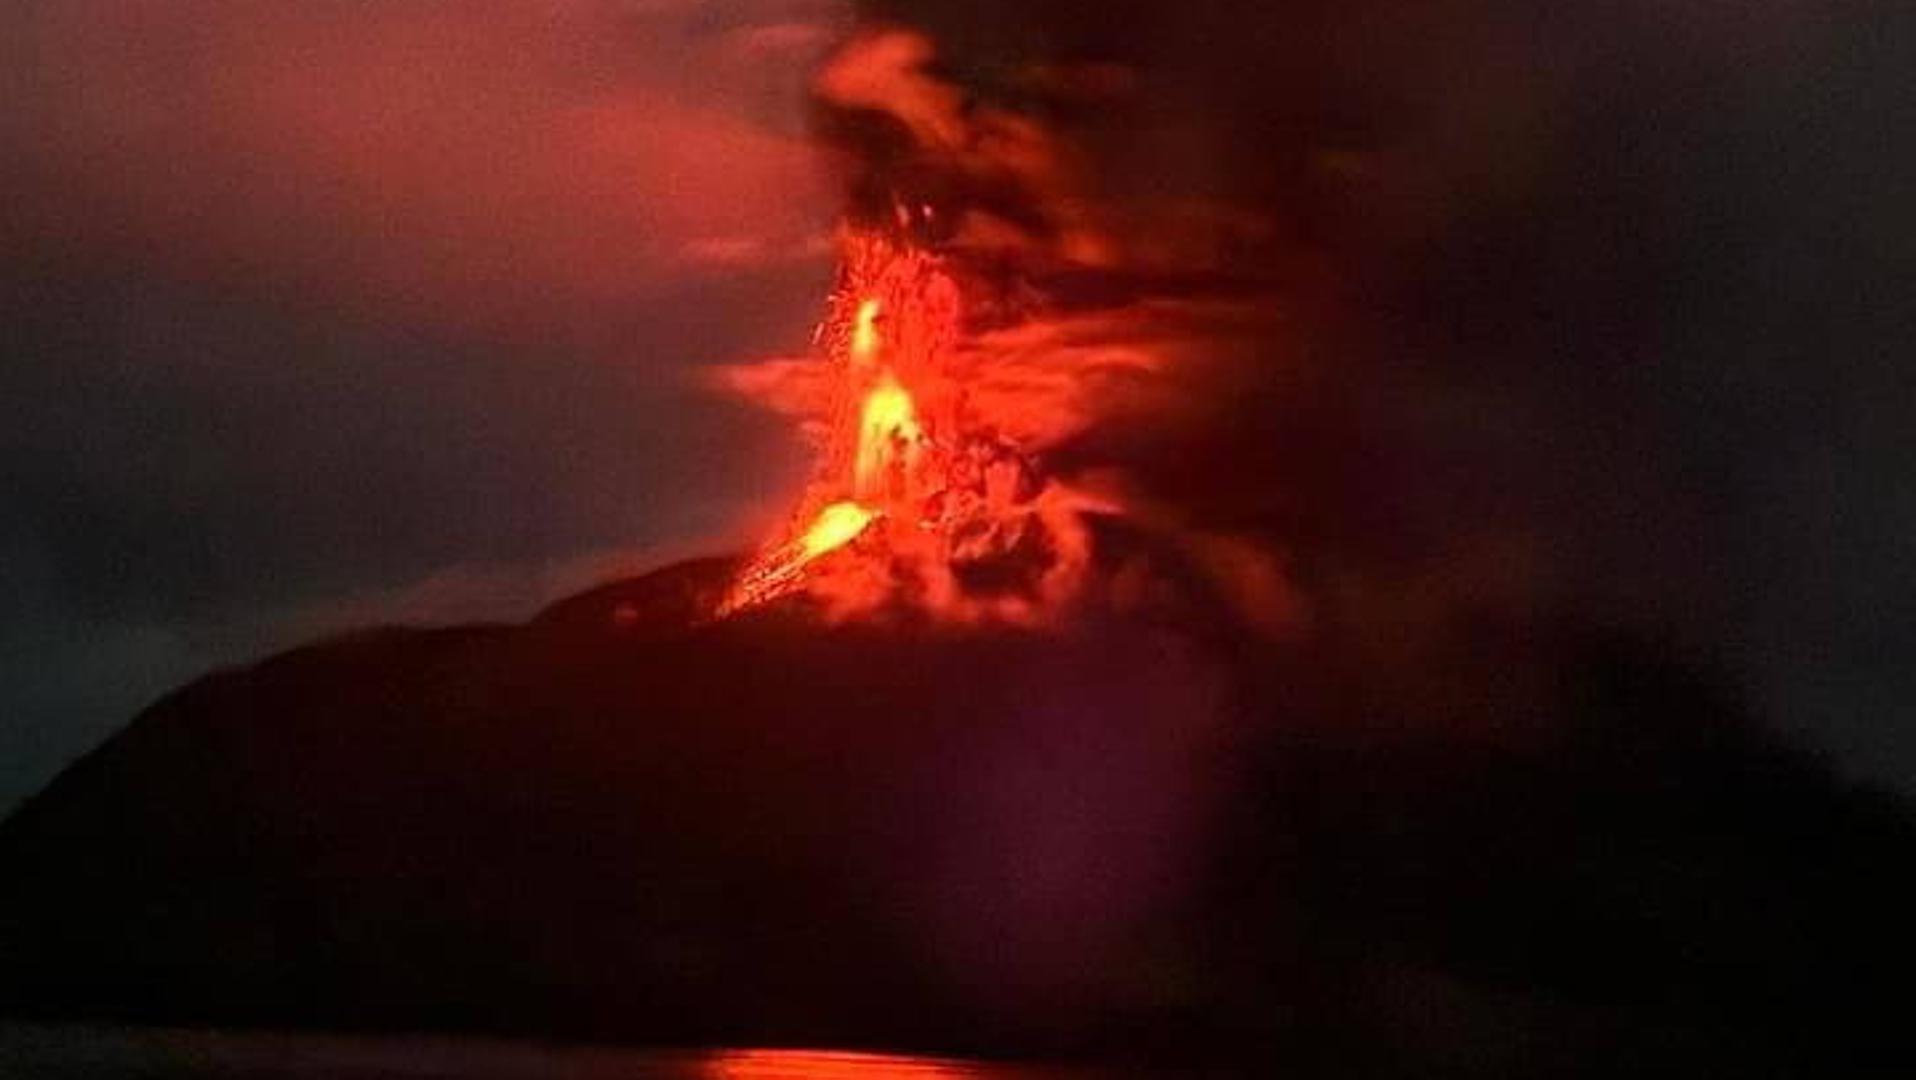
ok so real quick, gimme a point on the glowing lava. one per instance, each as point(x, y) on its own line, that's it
point(865, 331)
point(888, 437)
point(919, 502)
point(994, 331)
point(837, 525)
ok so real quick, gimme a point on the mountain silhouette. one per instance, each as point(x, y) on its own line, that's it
point(1141, 837)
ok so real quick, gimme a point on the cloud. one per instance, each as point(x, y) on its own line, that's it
point(318, 311)
point(479, 163)
point(1591, 316)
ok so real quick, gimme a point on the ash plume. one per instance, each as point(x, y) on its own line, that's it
point(1312, 504)
point(1461, 317)
point(1009, 311)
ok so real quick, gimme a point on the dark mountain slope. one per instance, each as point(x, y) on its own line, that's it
point(617, 822)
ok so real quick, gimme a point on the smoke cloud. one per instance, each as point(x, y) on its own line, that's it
point(311, 309)
point(1472, 319)
point(1455, 316)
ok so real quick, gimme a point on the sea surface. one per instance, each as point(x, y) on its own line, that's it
point(111, 1053)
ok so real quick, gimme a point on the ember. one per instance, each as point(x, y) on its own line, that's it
point(992, 319)
point(920, 502)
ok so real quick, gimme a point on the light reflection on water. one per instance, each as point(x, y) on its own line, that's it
point(93, 1052)
point(835, 1065)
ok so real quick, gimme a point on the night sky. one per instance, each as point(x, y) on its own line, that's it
point(325, 313)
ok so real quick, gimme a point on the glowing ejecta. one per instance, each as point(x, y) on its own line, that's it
point(865, 332)
point(888, 432)
point(836, 525)
point(918, 500)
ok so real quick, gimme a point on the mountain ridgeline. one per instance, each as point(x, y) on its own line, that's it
point(1152, 837)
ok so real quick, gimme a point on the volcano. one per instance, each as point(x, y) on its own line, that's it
point(1214, 632)
point(624, 820)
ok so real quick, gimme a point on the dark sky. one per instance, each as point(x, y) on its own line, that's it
point(315, 314)
point(328, 312)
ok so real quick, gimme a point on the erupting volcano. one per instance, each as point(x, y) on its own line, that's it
point(994, 317)
point(1272, 582)
point(923, 499)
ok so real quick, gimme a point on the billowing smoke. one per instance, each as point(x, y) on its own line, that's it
point(1464, 324)
point(1003, 311)
point(1430, 346)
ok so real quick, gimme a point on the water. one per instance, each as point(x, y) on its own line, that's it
point(99, 1053)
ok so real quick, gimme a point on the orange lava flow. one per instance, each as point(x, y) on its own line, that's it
point(837, 525)
point(888, 434)
point(918, 501)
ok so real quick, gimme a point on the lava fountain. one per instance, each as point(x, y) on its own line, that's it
point(993, 317)
point(921, 501)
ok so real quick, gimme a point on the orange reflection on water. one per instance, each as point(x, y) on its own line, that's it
point(829, 1065)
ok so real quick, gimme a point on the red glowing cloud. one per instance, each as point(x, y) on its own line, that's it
point(478, 163)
